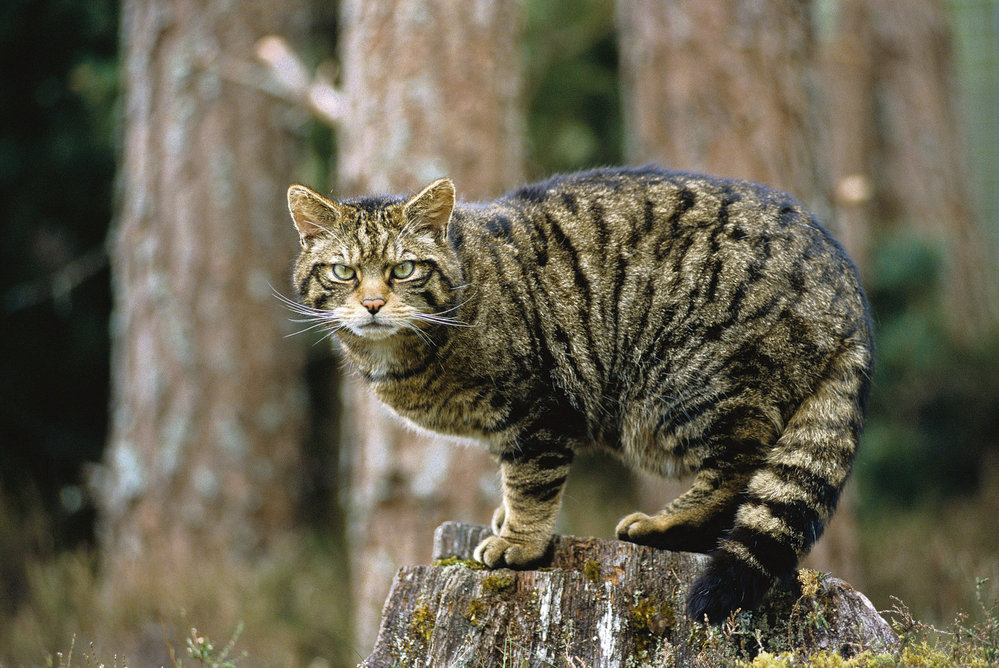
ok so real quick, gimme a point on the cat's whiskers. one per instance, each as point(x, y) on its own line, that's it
point(321, 319)
point(329, 334)
point(316, 325)
point(419, 332)
point(439, 318)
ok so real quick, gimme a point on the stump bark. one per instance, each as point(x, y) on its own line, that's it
point(602, 603)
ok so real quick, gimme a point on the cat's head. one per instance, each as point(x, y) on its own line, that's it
point(375, 267)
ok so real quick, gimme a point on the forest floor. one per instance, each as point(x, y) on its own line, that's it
point(933, 569)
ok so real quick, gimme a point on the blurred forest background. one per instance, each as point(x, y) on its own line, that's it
point(237, 484)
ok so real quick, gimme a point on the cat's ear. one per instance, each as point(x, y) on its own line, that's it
point(313, 214)
point(432, 207)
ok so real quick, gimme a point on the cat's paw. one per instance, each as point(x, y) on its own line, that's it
point(497, 552)
point(636, 528)
point(498, 518)
point(668, 531)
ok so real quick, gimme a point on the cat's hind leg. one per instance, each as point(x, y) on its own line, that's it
point(695, 520)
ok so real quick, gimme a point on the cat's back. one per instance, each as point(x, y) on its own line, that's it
point(611, 268)
point(632, 204)
point(610, 234)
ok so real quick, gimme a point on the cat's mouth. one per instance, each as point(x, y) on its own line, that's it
point(375, 329)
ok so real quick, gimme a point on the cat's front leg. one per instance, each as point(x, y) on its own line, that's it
point(533, 478)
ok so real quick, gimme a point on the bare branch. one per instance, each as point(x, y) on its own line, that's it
point(57, 286)
point(280, 73)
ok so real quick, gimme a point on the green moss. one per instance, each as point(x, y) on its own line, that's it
point(668, 613)
point(914, 656)
point(642, 614)
point(591, 571)
point(476, 610)
point(767, 660)
point(497, 583)
point(648, 621)
point(455, 561)
point(422, 623)
point(923, 654)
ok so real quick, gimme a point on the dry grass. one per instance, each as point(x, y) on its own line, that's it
point(288, 609)
point(931, 556)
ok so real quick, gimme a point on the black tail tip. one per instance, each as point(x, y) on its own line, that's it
point(726, 585)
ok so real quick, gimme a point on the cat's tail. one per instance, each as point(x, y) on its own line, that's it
point(789, 500)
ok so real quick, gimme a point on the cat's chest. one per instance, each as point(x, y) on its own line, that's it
point(445, 403)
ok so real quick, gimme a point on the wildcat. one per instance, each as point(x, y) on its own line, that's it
point(685, 323)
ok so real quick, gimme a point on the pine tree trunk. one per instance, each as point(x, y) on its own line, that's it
point(432, 89)
point(730, 88)
point(724, 87)
point(900, 139)
point(207, 408)
point(846, 69)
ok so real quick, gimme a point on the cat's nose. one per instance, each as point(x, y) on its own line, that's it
point(373, 304)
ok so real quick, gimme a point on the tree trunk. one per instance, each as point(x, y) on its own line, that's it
point(730, 88)
point(900, 141)
point(207, 407)
point(844, 60)
point(602, 603)
point(724, 87)
point(432, 89)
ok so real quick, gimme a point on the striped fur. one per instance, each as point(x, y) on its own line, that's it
point(686, 324)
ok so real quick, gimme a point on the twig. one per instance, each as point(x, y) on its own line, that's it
point(58, 285)
point(280, 73)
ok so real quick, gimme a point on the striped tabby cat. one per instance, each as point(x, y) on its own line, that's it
point(684, 323)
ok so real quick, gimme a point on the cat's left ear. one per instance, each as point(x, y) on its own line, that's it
point(432, 207)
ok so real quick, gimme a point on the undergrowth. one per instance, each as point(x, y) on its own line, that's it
point(920, 644)
point(962, 643)
point(287, 608)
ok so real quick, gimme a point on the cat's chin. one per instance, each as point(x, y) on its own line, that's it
point(375, 331)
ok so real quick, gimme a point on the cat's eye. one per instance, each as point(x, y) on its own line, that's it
point(343, 272)
point(403, 269)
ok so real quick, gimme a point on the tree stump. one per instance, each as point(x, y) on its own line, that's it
point(602, 603)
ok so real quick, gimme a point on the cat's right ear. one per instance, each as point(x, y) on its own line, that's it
point(313, 214)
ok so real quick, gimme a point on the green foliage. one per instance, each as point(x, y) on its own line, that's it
point(58, 84)
point(934, 410)
point(574, 115)
point(202, 650)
